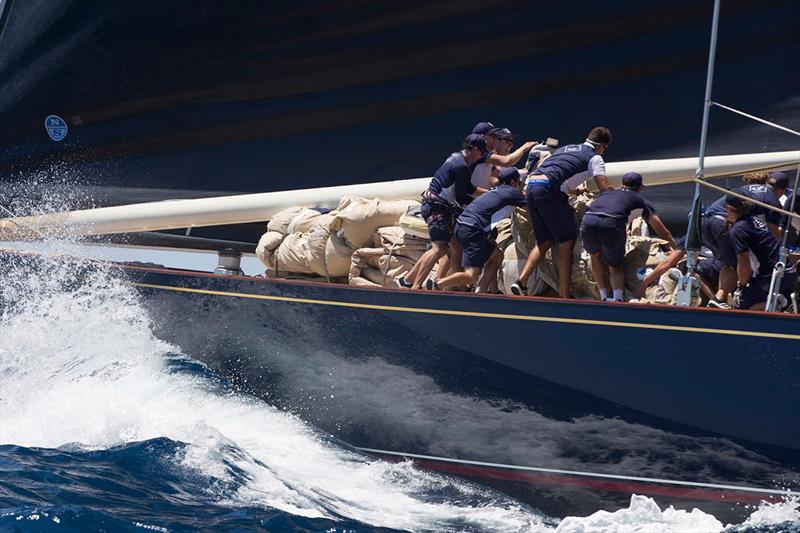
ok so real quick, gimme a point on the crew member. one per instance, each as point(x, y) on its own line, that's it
point(552, 217)
point(473, 229)
point(707, 269)
point(484, 173)
point(715, 234)
point(752, 240)
point(449, 190)
point(603, 232)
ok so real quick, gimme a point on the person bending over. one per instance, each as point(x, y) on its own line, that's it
point(603, 232)
point(753, 241)
point(473, 229)
point(449, 190)
point(552, 218)
point(715, 235)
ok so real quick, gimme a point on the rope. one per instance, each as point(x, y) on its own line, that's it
point(757, 119)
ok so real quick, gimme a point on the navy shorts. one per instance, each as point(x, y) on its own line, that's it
point(607, 235)
point(709, 270)
point(757, 290)
point(439, 218)
point(551, 216)
point(476, 244)
point(716, 237)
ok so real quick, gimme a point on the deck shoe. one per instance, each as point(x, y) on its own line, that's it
point(717, 304)
point(518, 289)
point(431, 285)
point(402, 283)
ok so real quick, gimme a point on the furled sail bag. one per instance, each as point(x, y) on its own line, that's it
point(357, 218)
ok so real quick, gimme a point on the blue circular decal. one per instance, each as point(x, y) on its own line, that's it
point(56, 127)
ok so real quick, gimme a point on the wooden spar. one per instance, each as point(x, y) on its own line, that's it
point(240, 209)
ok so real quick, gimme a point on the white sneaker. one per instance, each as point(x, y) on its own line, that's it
point(518, 289)
point(675, 273)
point(717, 304)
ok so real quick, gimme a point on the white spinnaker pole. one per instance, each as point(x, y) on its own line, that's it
point(240, 209)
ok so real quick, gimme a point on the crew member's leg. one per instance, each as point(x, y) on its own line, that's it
point(490, 270)
point(477, 249)
point(612, 240)
point(564, 265)
point(537, 197)
point(560, 218)
point(426, 262)
point(716, 237)
point(591, 243)
point(438, 217)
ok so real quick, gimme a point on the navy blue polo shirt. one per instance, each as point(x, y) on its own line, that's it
point(619, 204)
point(762, 193)
point(566, 162)
point(479, 213)
point(750, 233)
point(452, 181)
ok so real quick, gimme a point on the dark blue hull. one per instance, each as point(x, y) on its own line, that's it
point(571, 406)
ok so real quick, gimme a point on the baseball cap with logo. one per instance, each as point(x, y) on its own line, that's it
point(502, 134)
point(475, 140)
point(482, 128)
point(508, 175)
point(779, 180)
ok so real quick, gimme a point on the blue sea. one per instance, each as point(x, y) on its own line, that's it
point(104, 427)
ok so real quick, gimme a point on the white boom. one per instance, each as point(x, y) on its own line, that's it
point(239, 209)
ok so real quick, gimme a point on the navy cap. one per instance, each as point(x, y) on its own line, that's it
point(733, 201)
point(482, 128)
point(475, 140)
point(508, 175)
point(779, 180)
point(502, 134)
point(632, 180)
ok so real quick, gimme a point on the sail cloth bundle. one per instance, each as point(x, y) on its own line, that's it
point(393, 254)
point(302, 241)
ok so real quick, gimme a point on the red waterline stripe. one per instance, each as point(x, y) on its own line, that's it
point(652, 489)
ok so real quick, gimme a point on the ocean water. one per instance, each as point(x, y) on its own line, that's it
point(105, 427)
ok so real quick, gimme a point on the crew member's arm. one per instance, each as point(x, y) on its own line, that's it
point(662, 231)
point(775, 229)
point(597, 167)
point(511, 159)
point(671, 261)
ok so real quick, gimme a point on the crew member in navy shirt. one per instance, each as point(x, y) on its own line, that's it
point(449, 192)
point(474, 227)
point(757, 252)
point(498, 154)
point(552, 218)
point(715, 233)
point(603, 232)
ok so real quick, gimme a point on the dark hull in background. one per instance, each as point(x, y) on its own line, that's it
point(185, 99)
point(521, 382)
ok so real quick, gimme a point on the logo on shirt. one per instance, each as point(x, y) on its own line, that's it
point(760, 224)
point(573, 148)
point(56, 127)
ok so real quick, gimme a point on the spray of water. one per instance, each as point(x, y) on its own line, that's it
point(80, 366)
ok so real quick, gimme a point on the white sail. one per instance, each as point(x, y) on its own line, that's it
point(239, 209)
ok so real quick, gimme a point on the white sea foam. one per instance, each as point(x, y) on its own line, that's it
point(81, 366)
